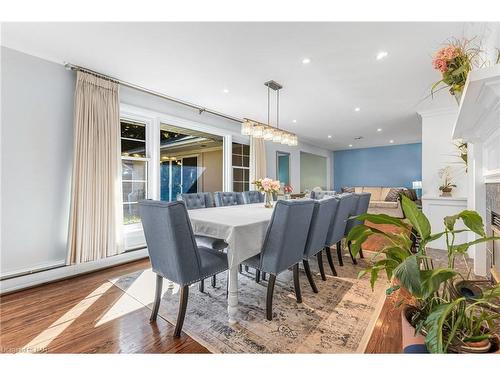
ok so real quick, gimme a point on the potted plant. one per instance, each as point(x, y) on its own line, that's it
point(268, 187)
point(447, 185)
point(455, 61)
point(449, 320)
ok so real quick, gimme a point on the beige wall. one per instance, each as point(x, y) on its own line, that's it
point(212, 171)
point(313, 171)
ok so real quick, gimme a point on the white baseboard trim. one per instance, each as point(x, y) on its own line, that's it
point(43, 277)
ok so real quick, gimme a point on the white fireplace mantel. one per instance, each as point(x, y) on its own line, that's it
point(478, 123)
point(479, 110)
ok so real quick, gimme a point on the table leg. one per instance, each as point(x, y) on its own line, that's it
point(232, 299)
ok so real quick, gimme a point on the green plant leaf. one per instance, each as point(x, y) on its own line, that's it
point(473, 221)
point(462, 248)
point(432, 280)
point(408, 273)
point(397, 254)
point(357, 235)
point(434, 325)
point(416, 217)
point(449, 222)
point(374, 276)
point(392, 289)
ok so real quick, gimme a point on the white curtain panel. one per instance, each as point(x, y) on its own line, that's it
point(257, 160)
point(96, 210)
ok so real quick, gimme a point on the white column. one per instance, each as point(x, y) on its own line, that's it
point(228, 163)
point(476, 201)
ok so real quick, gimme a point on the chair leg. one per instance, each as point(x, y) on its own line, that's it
point(339, 253)
point(202, 286)
point(269, 298)
point(330, 260)
point(257, 276)
point(214, 281)
point(350, 253)
point(156, 303)
point(182, 310)
point(309, 275)
point(361, 255)
point(296, 283)
point(320, 265)
point(240, 268)
point(263, 276)
point(246, 268)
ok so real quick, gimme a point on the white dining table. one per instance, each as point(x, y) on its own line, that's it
point(243, 227)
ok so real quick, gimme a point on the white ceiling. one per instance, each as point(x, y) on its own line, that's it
point(196, 61)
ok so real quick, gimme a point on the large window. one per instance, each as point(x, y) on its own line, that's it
point(241, 167)
point(134, 169)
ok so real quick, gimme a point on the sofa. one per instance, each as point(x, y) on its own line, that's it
point(378, 202)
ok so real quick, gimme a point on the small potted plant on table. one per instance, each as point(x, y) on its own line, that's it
point(447, 185)
point(448, 319)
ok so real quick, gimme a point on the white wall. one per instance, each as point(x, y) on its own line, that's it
point(438, 151)
point(36, 157)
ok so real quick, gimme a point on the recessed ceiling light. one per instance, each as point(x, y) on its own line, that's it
point(225, 91)
point(357, 109)
point(391, 141)
point(294, 121)
point(382, 55)
point(379, 130)
point(329, 136)
point(306, 60)
point(350, 145)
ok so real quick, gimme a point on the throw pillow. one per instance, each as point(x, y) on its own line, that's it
point(347, 190)
point(410, 193)
point(392, 195)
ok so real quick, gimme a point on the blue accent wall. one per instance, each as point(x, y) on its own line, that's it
point(378, 166)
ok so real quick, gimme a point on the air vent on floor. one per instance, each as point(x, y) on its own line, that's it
point(495, 219)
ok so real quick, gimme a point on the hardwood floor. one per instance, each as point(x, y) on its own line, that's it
point(72, 316)
point(69, 317)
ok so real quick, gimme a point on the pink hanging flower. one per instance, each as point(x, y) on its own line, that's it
point(440, 64)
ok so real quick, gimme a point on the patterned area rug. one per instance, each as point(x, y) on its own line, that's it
point(339, 319)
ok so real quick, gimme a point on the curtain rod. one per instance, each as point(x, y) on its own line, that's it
point(155, 93)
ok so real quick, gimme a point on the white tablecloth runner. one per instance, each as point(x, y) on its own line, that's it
point(243, 227)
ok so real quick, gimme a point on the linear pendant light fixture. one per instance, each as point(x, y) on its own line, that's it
point(268, 132)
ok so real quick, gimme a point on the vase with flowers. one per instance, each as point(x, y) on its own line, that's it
point(268, 187)
point(455, 61)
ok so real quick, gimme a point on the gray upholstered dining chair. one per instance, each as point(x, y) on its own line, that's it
point(228, 198)
point(283, 245)
point(253, 197)
point(337, 229)
point(361, 207)
point(174, 254)
point(322, 217)
point(322, 194)
point(196, 201)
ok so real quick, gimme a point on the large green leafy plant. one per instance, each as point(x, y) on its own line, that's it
point(448, 320)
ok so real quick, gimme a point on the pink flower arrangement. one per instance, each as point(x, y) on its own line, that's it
point(454, 62)
point(443, 56)
point(267, 185)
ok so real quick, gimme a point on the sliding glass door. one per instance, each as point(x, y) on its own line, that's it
point(178, 176)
